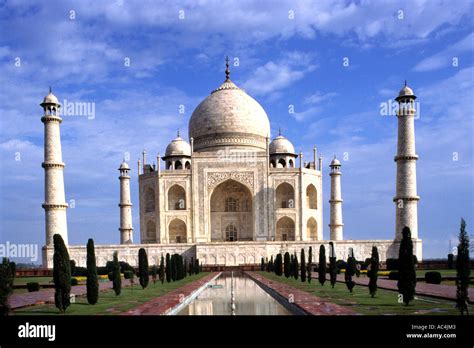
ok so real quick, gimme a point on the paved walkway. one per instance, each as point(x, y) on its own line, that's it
point(163, 304)
point(47, 295)
point(432, 290)
point(305, 301)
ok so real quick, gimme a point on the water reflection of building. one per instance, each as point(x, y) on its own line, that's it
point(250, 299)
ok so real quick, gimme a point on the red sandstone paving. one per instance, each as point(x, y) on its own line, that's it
point(47, 295)
point(162, 304)
point(309, 303)
point(434, 290)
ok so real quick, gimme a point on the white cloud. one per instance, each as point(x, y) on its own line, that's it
point(319, 97)
point(275, 76)
point(444, 58)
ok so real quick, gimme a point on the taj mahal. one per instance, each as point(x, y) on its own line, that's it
point(231, 194)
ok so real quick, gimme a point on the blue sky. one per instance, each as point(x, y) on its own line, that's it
point(288, 53)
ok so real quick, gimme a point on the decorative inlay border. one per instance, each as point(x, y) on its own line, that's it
point(215, 178)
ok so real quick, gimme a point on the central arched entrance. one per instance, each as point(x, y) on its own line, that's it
point(231, 212)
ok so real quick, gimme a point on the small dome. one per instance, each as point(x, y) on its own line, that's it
point(405, 92)
point(281, 145)
point(335, 162)
point(50, 99)
point(124, 166)
point(178, 147)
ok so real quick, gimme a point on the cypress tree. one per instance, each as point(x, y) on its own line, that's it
point(116, 278)
point(185, 268)
point(350, 271)
point(7, 277)
point(373, 270)
point(262, 265)
point(161, 272)
point(267, 266)
point(196, 266)
point(143, 268)
point(92, 279)
point(180, 267)
point(303, 266)
point(332, 265)
point(292, 266)
point(168, 267)
point(278, 265)
point(173, 267)
point(73, 268)
point(310, 263)
point(191, 266)
point(287, 264)
point(406, 267)
point(154, 274)
point(322, 265)
point(296, 266)
point(271, 264)
point(61, 274)
point(462, 271)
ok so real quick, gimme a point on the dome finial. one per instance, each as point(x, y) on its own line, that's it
point(405, 83)
point(227, 70)
point(50, 90)
point(178, 133)
point(279, 131)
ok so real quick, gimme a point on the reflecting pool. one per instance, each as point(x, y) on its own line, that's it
point(249, 299)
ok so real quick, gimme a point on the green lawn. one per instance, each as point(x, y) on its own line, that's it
point(444, 272)
point(40, 280)
point(384, 303)
point(109, 303)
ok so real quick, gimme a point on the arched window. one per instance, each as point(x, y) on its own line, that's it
point(285, 229)
point(168, 165)
point(312, 229)
point(285, 196)
point(149, 201)
point(282, 163)
point(176, 198)
point(311, 197)
point(188, 165)
point(291, 164)
point(178, 165)
point(150, 230)
point(177, 231)
point(231, 233)
point(230, 204)
point(272, 164)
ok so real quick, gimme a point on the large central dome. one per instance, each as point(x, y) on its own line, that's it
point(229, 117)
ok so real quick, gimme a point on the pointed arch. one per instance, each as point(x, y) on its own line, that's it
point(311, 197)
point(176, 198)
point(177, 231)
point(285, 229)
point(285, 196)
point(312, 229)
point(149, 200)
point(150, 230)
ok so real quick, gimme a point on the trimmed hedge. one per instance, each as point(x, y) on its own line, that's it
point(392, 264)
point(393, 275)
point(74, 282)
point(32, 286)
point(433, 277)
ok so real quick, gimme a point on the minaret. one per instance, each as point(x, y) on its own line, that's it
point(126, 229)
point(406, 199)
point(335, 225)
point(54, 198)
